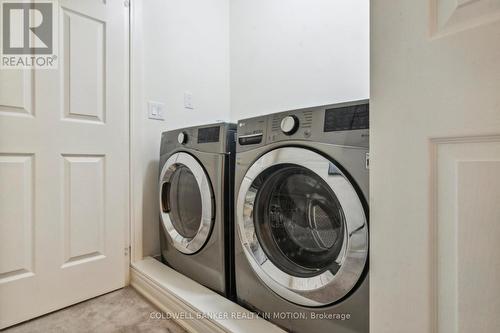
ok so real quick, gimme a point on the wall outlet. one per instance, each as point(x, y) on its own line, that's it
point(156, 110)
point(188, 100)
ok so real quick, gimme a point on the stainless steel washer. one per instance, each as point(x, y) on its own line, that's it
point(195, 193)
point(301, 249)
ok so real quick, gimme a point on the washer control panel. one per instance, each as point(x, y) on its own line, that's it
point(343, 124)
point(252, 132)
point(182, 138)
point(296, 124)
point(289, 124)
point(347, 118)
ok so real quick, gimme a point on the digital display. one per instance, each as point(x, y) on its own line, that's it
point(347, 118)
point(208, 134)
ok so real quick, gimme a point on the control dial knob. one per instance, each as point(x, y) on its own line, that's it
point(289, 125)
point(182, 138)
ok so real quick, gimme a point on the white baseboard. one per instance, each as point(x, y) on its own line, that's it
point(173, 293)
point(169, 303)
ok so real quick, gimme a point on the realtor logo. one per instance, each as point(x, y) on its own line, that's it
point(28, 34)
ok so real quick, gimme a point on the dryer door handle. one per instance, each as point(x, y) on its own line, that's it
point(165, 197)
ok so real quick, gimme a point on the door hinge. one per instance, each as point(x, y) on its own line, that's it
point(367, 162)
point(127, 251)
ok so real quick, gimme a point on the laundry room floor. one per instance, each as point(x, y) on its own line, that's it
point(123, 310)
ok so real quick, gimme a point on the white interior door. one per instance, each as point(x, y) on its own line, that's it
point(435, 166)
point(64, 167)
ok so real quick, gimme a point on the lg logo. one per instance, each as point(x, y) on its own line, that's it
point(27, 28)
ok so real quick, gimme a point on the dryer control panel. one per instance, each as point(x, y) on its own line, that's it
point(209, 134)
point(213, 138)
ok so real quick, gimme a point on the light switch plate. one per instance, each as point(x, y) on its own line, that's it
point(188, 100)
point(156, 110)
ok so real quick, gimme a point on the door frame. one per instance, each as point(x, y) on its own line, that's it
point(128, 107)
point(135, 106)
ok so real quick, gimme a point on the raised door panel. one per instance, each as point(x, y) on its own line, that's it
point(454, 15)
point(16, 216)
point(84, 73)
point(16, 92)
point(95, 9)
point(478, 247)
point(83, 208)
point(467, 228)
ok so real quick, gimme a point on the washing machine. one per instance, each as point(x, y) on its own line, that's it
point(196, 204)
point(301, 235)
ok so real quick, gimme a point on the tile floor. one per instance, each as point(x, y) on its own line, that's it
point(123, 310)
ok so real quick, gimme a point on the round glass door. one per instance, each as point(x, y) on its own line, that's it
point(298, 220)
point(302, 226)
point(186, 203)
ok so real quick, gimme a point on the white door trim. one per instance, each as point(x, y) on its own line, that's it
point(136, 98)
point(129, 187)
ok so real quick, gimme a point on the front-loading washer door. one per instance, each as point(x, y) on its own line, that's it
point(302, 226)
point(186, 203)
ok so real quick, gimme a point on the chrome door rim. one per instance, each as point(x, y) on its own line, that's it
point(181, 243)
point(325, 288)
